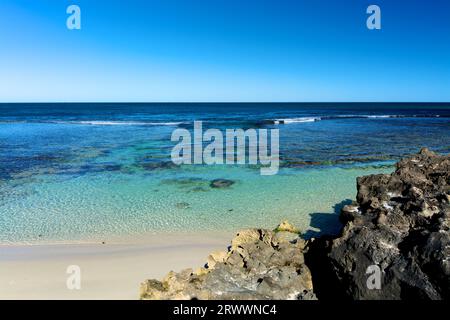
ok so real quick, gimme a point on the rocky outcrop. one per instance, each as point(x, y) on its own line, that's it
point(395, 244)
point(259, 264)
point(399, 228)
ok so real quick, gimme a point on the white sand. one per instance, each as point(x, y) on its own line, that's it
point(108, 271)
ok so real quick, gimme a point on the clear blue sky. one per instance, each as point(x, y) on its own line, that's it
point(224, 50)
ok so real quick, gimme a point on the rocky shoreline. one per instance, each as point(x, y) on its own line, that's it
point(395, 244)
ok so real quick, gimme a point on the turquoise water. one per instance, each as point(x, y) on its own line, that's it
point(95, 206)
point(71, 173)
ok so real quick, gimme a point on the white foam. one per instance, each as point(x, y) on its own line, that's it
point(125, 123)
point(381, 116)
point(296, 120)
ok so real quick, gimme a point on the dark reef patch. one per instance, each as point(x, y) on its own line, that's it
point(221, 183)
point(159, 165)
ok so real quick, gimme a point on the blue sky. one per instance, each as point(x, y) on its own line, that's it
point(224, 50)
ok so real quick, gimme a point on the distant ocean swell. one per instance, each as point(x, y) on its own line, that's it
point(276, 121)
point(335, 117)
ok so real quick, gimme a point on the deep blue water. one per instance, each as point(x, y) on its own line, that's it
point(313, 134)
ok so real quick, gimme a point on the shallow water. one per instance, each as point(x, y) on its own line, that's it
point(76, 172)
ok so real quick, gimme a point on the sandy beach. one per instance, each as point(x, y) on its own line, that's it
point(108, 271)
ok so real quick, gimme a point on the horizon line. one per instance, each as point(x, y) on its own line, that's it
point(226, 102)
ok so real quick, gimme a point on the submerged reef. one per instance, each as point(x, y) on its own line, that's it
point(221, 183)
point(394, 244)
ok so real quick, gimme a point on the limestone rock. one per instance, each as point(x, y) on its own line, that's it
point(215, 257)
point(286, 226)
point(260, 264)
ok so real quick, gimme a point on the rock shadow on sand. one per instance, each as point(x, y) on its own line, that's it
point(326, 223)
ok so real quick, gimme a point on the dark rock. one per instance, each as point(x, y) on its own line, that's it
point(350, 212)
point(221, 183)
point(401, 225)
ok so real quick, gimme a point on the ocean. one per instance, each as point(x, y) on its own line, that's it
point(90, 172)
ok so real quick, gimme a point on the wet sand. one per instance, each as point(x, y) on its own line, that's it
point(108, 271)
